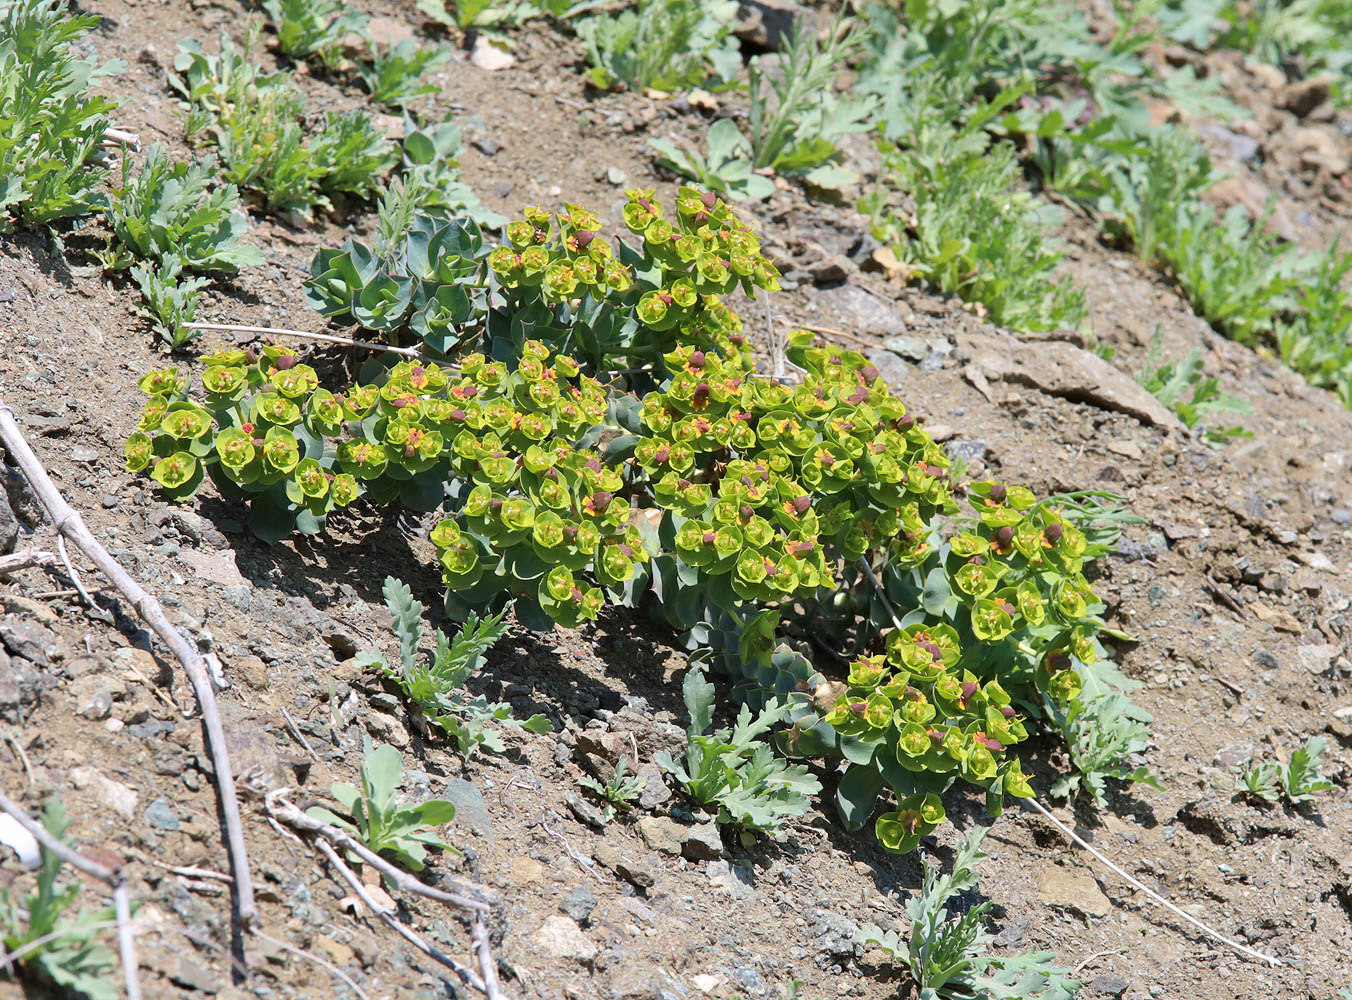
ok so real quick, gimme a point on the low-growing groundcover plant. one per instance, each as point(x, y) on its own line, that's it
point(403, 831)
point(590, 424)
point(733, 771)
point(71, 959)
point(50, 126)
point(948, 952)
point(1298, 781)
point(662, 44)
point(436, 687)
point(256, 122)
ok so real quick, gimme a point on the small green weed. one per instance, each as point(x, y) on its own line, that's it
point(618, 794)
point(948, 953)
point(394, 76)
point(727, 168)
point(662, 45)
point(314, 27)
point(169, 299)
point(436, 686)
point(796, 117)
point(70, 959)
point(972, 233)
point(256, 121)
point(1299, 781)
point(734, 771)
point(1181, 386)
point(177, 208)
point(431, 175)
point(400, 830)
point(50, 127)
point(1100, 733)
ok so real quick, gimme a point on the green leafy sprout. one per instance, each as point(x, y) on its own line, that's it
point(402, 831)
point(71, 958)
point(53, 127)
point(616, 795)
point(436, 686)
point(1299, 781)
point(948, 952)
point(1182, 387)
point(735, 772)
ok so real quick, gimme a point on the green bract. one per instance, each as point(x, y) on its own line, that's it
point(690, 484)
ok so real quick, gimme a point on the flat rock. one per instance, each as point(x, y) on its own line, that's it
point(113, 794)
point(470, 809)
point(703, 842)
point(1317, 659)
point(767, 24)
point(489, 57)
point(579, 904)
point(214, 567)
point(1061, 369)
point(655, 790)
point(736, 880)
point(1058, 887)
point(560, 937)
point(662, 834)
point(865, 312)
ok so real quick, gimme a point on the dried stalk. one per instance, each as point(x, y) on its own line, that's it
point(126, 941)
point(69, 523)
point(16, 561)
point(326, 338)
point(317, 961)
point(466, 974)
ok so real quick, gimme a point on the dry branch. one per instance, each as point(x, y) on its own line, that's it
point(121, 894)
point(69, 523)
point(16, 561)
point(466, 974)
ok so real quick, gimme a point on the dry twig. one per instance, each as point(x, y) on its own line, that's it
point(16, 561)
point(99, 611)
point(69, 523)
point(121, 892)
point(310, 956)
point(295, 731)
point(466, 974)
point(326, 338)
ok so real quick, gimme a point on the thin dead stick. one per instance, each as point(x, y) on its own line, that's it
point(1098, 954)
point(1221, 595)
point(75, 579)
point(126, 942)
point(117, 137)
point(295, 731)
point(317, 961)
point(287, 812)
point(304, 335)
point(829, 331)
point(581, 862)
point(188, 871)
point(17, 747)
point(1154, 896)
point(69, 523)
point(467, 975)
point(487, 964)
point(16, 561)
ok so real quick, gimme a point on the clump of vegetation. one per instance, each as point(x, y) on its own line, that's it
point(731, 505)
point(947, 954)
point(1181, 386)
point(661, 44)
point(314, 27)
point(394, 76)
point(1100, 734)
point(436, 686)
point(734, 771)
point(53, 127)
point(49, 942)
point(616, 795)
point(403, 831)
point(255, 121)
point(1299, 781)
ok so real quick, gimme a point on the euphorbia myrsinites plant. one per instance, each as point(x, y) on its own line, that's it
point(734, 506)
